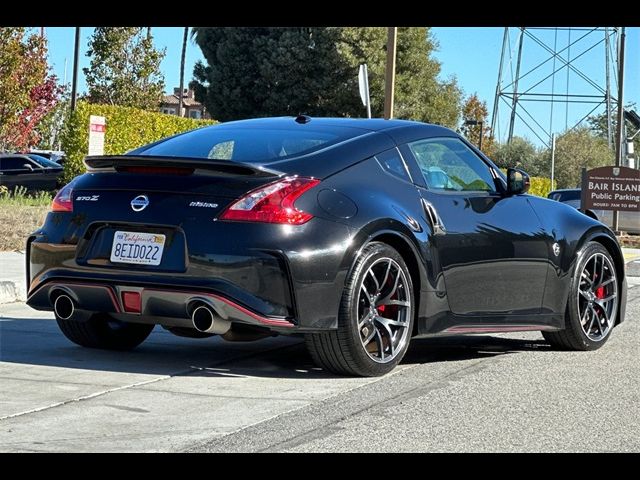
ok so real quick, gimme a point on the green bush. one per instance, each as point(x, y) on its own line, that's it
point(540, 186)
point(127, 128)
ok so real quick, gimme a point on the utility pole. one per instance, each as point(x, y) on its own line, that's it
point(389, 84)
point(74, 84)
point(620, 115)
point(182, 59)
point(553, 159)
point(514, 101)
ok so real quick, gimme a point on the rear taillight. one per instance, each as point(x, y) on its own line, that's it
point(273, 203)
point(63, 202)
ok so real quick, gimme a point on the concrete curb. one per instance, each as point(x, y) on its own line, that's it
point(12, 277)
point(11, 292)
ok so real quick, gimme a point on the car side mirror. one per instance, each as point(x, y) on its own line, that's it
point(28, 166)
point(517, 181)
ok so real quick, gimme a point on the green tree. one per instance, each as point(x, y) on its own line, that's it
point(476, 109)
point(285, 71)
point(125, 68)
point(520, 153)
point(577, 149)
point(598, 124)
point(27, 91)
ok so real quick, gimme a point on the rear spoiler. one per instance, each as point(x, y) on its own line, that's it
point(98, 162)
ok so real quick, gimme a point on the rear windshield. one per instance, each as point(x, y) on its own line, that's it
point(248, 145)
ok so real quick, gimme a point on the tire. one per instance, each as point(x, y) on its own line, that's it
point(101, 331)
point(591, 315)
point(343, 351)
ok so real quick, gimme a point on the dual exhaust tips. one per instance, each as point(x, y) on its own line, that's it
point(203, 317)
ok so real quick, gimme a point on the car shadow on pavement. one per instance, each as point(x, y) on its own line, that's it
point(468, 347)
point(40, 343)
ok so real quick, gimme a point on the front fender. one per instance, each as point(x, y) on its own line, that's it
point(572, 230)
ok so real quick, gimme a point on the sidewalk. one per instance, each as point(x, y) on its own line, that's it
point(12, 277)
point(12, 274)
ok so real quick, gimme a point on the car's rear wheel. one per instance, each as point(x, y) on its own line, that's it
point(375, 319)
point(592, 306)
point(102, 331)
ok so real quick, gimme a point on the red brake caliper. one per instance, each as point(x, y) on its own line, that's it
point(600, 293)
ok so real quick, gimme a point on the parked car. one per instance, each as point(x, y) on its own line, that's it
point(53, 155)
point(28, 170)
point(327, 228)
point(627, 221)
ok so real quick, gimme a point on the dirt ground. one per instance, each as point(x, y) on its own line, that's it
point(17, 222)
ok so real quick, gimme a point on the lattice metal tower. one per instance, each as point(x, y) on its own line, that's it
point(551, 79)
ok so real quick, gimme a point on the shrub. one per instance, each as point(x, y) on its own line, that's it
point(540, 186)
point(127, 128)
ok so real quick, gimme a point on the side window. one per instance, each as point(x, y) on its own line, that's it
point(447, 164)
point(14, 163)
point(392, 163)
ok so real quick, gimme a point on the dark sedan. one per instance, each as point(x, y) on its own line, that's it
point(28, 170)
point(357, 234)
point(627, 221)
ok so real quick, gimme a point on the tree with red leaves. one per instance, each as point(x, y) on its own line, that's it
point(28, 92)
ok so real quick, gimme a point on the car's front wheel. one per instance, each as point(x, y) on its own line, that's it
point(375, 319)
point(592, 306)
point(102, 331)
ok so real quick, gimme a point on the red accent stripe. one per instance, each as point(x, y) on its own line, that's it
point(497, 329)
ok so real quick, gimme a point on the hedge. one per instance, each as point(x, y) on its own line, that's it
point(127, 128)
point(540, 186)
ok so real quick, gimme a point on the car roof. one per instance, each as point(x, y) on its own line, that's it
point(369, 124)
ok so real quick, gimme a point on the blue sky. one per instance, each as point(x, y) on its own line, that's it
point(471, 54)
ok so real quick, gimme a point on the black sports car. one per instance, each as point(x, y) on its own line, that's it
point(358, 234)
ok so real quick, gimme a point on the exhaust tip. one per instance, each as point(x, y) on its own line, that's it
point(63, 307)
point(202, 319)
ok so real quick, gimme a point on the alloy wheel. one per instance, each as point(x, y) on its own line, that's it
point(384, 310)
point(597, 297)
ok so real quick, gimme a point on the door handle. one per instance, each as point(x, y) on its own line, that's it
point(434, 218)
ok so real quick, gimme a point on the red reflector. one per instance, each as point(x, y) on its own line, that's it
point(157, 170)
point(131, 302)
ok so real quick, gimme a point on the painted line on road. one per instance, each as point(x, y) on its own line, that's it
point(80, 399)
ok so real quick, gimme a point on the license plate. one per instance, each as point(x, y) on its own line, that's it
point(137, 248)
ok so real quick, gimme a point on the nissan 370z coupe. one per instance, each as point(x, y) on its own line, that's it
point(357, 234)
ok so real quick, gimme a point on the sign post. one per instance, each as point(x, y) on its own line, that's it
point(363, 85)
point(97, 129)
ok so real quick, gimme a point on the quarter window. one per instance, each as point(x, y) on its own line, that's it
point(447, 164)
point(392, 163)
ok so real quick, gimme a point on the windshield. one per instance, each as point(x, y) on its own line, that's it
point(250, 145)
point(44, 162)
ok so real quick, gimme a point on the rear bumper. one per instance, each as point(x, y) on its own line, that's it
point(166, 306)
point(236, 267)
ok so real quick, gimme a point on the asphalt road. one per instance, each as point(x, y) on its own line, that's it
point(476, 393)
